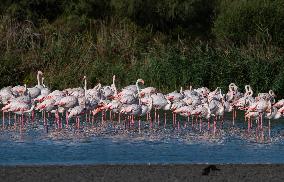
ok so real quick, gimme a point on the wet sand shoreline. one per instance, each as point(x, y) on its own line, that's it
point(183, 172)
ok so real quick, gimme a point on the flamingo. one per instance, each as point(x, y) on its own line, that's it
point(272, 114)
point(202, 111)
point(148, 91)
point(279, 104)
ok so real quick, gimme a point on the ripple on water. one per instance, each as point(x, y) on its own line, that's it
point(106, 143)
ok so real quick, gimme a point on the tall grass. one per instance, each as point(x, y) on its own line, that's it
point(74, 46)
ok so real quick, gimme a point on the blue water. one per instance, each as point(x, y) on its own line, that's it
point(107, 145)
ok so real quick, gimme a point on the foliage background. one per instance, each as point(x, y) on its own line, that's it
point(168, 43)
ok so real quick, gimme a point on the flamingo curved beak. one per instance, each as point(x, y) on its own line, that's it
point(170, 97)
point(96, 111)
point(111, 97)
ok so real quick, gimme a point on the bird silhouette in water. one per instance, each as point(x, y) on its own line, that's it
point(208, 169)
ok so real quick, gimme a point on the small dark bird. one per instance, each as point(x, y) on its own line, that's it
point(210, 168)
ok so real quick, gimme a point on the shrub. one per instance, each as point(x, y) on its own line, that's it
point(250, 20)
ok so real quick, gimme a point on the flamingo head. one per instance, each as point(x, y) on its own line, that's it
point(111, 97)
point(144, 100)
point(129, 109)
point(142, 94)
point(97, 110)
point(170, 97)
point(40, 72)
point(122, 110)
point(84, 78)
point(140, 81)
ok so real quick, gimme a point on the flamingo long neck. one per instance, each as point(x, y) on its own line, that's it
point(251, 92)
point(98, 86)
point(85, 86)
point(137, 86)
point(114, 87)
point(25, 91)
point(30, 110)
point(217, 89)
point(169, 104)
point(271, 93)
point(42, 82)
point(38, 79)
point(247, 90)
point(138, 90)
point(150, 104)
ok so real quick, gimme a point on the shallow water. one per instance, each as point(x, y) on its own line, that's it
point(112, 144)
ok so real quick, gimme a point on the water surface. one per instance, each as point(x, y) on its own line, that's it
point(109, 144)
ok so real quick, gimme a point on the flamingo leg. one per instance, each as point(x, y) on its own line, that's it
point(208, 124)
point(44, 119)
point(102, 117)
point(173, 119)
point(186, 121)
point(3, 120)
point(22, 122)
point(105, 116)
point(258, 121)
point(89, 116)
point(233, 117)
point(139, 123)
point(262, 135)
point(67, 119)
point(151, 124)
point(158, 119)
point(214, 130)
point(33, 115)
point(200, 124)
point(269, 132)
point(251, 124)
point(78, 122)
point(165, 119)
point(9, 119)
point(59, 121)
point(155, 119)
point(93, 118)
point(56, 122)
point(256, 128)
point(125, 120)
point(261, 118)
point(15, 121)
point(222, 121)
point(248, 124)
point(147, 117)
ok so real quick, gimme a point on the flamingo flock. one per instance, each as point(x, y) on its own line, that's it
point(132, 102)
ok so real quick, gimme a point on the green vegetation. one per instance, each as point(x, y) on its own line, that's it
point(168, 43)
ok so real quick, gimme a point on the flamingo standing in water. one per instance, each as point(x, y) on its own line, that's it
point(136, 108)
point(202, 111)
point(272, 114)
